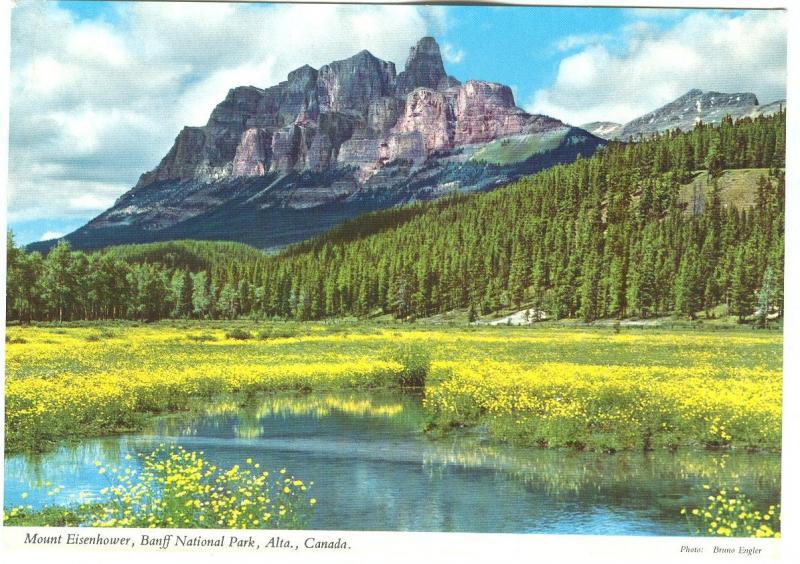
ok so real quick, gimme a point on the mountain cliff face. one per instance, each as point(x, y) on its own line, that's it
point(684, 112)
point(350, 136)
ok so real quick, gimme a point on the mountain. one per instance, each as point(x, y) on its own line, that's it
point(277, 165)
point(603, 129)
point(626, 232)
point(686, 111)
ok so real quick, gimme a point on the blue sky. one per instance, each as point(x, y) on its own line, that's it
point(91, 10)
point(100, 89)
point(518, 45)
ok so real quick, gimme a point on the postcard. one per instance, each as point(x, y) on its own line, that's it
point(378, 282)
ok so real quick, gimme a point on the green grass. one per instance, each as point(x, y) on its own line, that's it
point(738, 188)
point(518, 148)
point(53, 516)
point(183, 344)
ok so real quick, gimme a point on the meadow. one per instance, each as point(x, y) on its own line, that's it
point(582, 388)
point(604, 389)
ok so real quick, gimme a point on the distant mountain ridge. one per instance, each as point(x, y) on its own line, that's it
point(277, 165)
point(603, 129)
point(685, 112)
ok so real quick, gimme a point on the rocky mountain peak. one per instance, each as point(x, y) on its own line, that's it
point(354, 136)
point(712, 98)
point(351, 84)
point(348, 113)
point(351, 130)
point(424, 68)
point(302, 78)
point(603, 129)
point(694, 106)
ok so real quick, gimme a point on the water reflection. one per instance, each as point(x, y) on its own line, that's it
point(246, 416)
point(375, 470)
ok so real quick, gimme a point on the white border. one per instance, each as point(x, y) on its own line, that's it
point(460, 547)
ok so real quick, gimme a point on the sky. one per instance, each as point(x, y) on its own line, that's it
point(99, 90)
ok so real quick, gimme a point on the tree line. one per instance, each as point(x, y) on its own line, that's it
point(607, 236)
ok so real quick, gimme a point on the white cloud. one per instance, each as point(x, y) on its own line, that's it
point(47, 235)
point(92, 42)
point(63, 198)
point(451, 54)
point(571, 42)
point(87, 130)
point(45, 75)
point(706, 50)
point(90, 202)
point(94, 103)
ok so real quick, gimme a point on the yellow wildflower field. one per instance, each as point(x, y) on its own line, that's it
point(549, 386)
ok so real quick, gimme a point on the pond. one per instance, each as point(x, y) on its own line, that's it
point(374, 469)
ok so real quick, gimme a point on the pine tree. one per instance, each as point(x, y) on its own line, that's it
point(741, 295)
point(766, 296)
point(689, 285)
point(713, 160)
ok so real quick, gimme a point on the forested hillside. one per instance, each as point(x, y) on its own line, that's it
point(607, 236)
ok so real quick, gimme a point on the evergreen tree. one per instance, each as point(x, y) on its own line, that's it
point(689, 285)
point(766, 296)
point(603, 236)
point(741, 292)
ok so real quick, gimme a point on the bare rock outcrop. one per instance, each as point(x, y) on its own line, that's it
point(356, 113)
point(382, 115)
point(351, 84)
point(405, 146)
point(485, 111)
point(182, 160)
point(430, 114)
point(286, 148)
point(253, 153)
point(359, 152)
point(227, 123)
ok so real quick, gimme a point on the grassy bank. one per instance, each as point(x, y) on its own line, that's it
point(610, 408)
